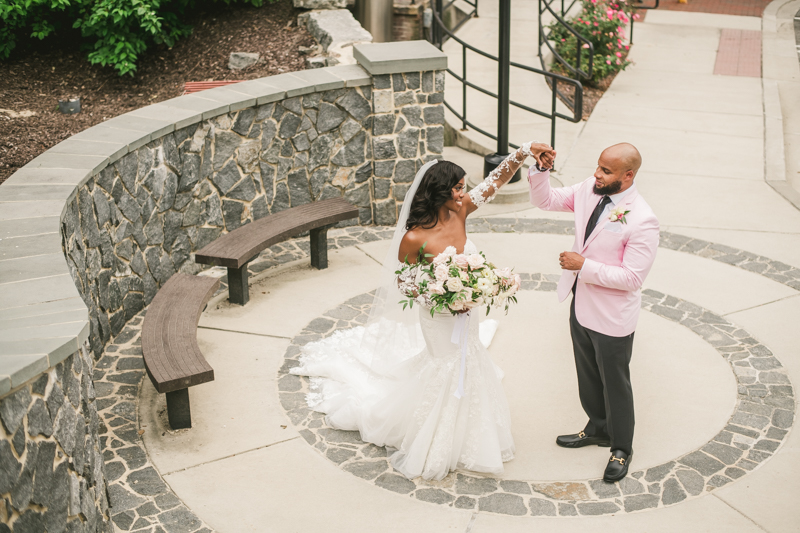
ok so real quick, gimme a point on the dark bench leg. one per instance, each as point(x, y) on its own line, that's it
point(238, 291)
point(319, 248)
point(178, 412)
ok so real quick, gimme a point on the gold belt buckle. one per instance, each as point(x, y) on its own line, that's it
point(581, 435)
point(620, 460)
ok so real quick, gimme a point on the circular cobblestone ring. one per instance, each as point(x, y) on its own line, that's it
point(761, 419)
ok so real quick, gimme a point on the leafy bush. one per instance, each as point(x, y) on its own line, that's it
point(602, 23)
point(115, 32)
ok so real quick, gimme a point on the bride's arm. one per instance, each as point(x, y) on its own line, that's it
point(485, 191)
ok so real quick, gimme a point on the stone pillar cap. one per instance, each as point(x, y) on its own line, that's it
point(405, 56)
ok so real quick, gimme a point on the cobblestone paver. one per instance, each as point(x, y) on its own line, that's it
point(141, 501)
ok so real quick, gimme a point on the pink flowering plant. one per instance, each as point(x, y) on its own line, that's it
point(602, 23)
point(456, 282)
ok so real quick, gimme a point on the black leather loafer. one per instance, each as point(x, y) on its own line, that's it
point(579, 440)
point(617, 467)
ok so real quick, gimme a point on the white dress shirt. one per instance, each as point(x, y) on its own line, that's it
point(615, 200)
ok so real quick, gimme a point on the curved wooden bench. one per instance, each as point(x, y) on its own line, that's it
point(169, 342)
point(237, 248)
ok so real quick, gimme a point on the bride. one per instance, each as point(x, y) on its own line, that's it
point(403, 381)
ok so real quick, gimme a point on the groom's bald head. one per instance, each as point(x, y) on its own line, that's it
point(616, 168)
point(626, 157)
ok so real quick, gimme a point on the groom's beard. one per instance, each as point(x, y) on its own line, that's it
point(611, 188)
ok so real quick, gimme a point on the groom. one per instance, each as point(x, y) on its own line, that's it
point(616, 236)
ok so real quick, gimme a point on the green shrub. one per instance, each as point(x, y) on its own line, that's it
point(602, 23)
point(116, 32)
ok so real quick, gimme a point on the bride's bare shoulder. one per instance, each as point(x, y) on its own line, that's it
point(410, 245)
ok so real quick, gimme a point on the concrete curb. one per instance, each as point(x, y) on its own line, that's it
point(778, 76)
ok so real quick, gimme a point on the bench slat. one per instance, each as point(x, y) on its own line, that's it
point(236, 248)
point(169, 333)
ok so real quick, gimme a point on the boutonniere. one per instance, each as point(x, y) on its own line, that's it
point(618, 215)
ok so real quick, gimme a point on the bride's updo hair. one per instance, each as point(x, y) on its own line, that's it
point(434, 191)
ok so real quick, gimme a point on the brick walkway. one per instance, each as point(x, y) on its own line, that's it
point(739, 53)
point(749, 8)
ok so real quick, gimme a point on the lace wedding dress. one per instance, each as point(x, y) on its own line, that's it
point(397, 380)
point(415, 411)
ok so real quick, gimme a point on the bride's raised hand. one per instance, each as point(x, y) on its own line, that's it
point(546, 159)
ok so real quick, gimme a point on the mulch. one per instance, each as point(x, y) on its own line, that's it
point(36, 77)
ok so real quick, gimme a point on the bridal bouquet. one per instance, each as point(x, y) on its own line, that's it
point(456, 282)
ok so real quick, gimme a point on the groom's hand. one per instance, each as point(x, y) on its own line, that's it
point(571, 261)
point(546, 159)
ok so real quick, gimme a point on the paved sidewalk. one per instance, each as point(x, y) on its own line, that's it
point(247, 465)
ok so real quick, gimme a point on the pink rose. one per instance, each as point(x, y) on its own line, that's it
point(436, 288)
point(461, 260)
point(449, 252)
point(475, 260)
point(503, 272)
point(441, 272)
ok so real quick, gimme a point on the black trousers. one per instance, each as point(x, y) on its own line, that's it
point(604, 382)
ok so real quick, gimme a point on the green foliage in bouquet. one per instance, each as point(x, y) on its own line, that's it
point(602, 23)
point(115, 32)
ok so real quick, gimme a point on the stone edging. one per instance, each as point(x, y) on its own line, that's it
point(763, 415)
point(140, 499)
point(775, 42)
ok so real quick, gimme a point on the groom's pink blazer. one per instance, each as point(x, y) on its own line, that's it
point(618, 256)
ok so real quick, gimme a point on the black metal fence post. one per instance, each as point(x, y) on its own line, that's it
point(437, 30)
point(491, 161)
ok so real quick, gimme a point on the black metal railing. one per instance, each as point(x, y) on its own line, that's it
point(582, 44)
point(638, 4)
point(437, 35)
point(440, 33)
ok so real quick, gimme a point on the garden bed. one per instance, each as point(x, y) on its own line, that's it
point(38, 74)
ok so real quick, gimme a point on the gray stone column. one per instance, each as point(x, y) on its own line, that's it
point(408, 120)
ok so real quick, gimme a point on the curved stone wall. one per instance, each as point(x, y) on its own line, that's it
point(92, 228)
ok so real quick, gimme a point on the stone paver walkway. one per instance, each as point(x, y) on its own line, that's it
point(715, 363)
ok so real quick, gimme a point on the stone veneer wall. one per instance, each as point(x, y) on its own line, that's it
point(51, 462)
point(138, 222)
point(133, 199)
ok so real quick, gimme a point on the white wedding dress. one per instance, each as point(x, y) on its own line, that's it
point(413, 409)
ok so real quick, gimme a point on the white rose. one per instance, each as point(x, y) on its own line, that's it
point(464, 276)
point(484, 285)
point(454, 284)
point(458, 305)
point(475, 260)
point(442, 272)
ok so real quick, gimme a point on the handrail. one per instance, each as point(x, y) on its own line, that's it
point(580, 40)
point(641, 7)
point(473, 13)
point(554, 80)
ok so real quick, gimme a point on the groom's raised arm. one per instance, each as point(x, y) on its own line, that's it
point(547, 198)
